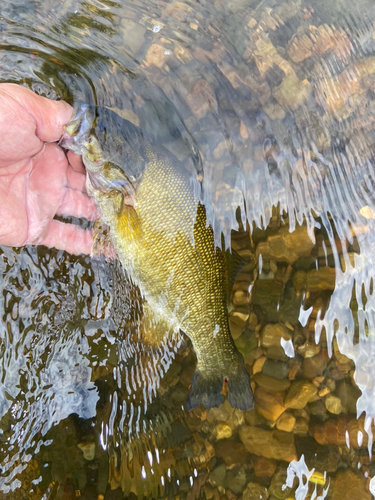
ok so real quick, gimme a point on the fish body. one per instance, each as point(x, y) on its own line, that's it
point(159, 231)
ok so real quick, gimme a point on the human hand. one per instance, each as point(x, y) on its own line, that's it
point(37, 181)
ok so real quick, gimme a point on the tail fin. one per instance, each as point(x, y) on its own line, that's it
point(208, 390)
point(240, 394)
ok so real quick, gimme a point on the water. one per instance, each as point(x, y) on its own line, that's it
point(272, 105)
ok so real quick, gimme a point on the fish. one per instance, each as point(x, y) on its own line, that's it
point(159, 231)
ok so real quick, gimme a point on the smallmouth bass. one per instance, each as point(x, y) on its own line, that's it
point(159, 232)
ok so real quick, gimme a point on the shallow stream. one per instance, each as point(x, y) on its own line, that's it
point(272, 105)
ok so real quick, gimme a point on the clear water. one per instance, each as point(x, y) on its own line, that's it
point(272, 105)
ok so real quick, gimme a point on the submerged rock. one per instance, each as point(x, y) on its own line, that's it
point(274, 444)
point(255, 491)
point(349, 486)
point(300, 393)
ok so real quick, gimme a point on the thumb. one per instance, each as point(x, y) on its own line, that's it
point(49, 116)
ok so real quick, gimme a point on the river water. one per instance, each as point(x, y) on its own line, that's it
point(271, 104)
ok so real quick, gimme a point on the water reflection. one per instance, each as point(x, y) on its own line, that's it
point(271, 104)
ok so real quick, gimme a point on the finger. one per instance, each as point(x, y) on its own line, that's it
point(76, 162)
point(68, 237)
point(76, 180)
point(49, 116)
point(78, 204)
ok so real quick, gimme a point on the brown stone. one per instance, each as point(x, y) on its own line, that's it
point(241, 298)
point(274, 111)
point(292, 92)
point(155, 56)
point(222, 431)
point(255, 491)
point(309, 349)
point(333, 404)
point(319, 40)
point(301, 427)
point(263, 467)
point(294, 371)
point(333, 431)
point(286, 246)
point(201, 100)
point(236, 325)
point(274, 444)
point(314, 366)
point(272, 334)
point(300, 393)
point(232, 452)
point(260, 88)
point(323, 392)
point(350, 485)
point(341, 358)
point(244, 133)
point(271, 384)
point(269, 404)
point(258, 364)
point(286, 422)
point(315, 280)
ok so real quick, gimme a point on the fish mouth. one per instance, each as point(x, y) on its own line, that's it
point(77, 130)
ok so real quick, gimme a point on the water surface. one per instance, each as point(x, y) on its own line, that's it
point(271, 104)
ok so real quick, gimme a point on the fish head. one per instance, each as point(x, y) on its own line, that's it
point(109, 145)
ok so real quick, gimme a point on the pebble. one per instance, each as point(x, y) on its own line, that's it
point(317, 408)
point(300, 393)
point(273, 444)
point(241, 298)
point(349, 485)
point(286, 422)
point(315, 280)
point(155, 56)
point(272, 334)
point(222, 431)
point(237, 479)
point(333, 431)
point(258, 364)
point(323, 392)
point(314, 366)
point(255, 491)
point(264, 467)
point(301, 427)
point(219, 414)
point(232, 452)
point(286, 246)
point(294, 371)
point(269, 404)
point(333, 404)
point(308, 349)
point(292, 92)
point(276, 369)
point(217, 476)
point(271, 384)
point(348, 395)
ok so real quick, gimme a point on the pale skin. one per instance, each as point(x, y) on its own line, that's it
point(37, 179)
